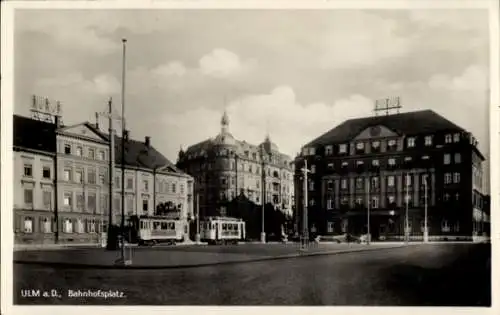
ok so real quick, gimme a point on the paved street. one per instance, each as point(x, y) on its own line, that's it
point(418, 275)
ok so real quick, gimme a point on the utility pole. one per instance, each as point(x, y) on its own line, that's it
point(305, 214)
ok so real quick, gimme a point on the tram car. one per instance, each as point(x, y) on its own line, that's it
point(151, 230)
point(222, 230)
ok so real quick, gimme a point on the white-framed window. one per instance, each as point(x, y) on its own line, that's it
point(447, 178)
point(391, 143)
point(428, 140)
point(130, 204)
point(329, 185)
point(174, 189)
point(375, 162)
point(102, 178)
point(312, 151)
point(313, 169)
point(359, 163)
point(28, 170)
point(329, 150)
point(101, 155)
point(374, 182)
point(145, 185)
point(91, 153)
point(359, 182)
point(91, 202)
point(91, 176)
point(80, 202)
point(447, 138)
point(445, 226)
point(390, 181)
point(376, 144)
point(330, 166)
point(391, 199)
point(28, 196)
point(130, 183)
point(392, 161)
point(345, 164)
point(458, 158)
point(329, 204)
point(446, 159)
point(408, 158)
point(425, 157)
point(330, 227)
point(91, 226)
point(67, 226)
point(68, 199)
point(456, 137)
point(374, 202)
point(28, 225)
point(80, 228)
point(46, 172)
point(343, 183)
point(343, 148)
point(79, 176)
point(311, 185)
point(312, 202)
point(145, 205)
point(360, 146)
point(47, 225)
point(67, 148)
point(67, 174)
point(407, 179)
point(118, 181)
point(47, 199)
point(79, 151)
point(456, 178)
point(446, 197)
point(410, 142)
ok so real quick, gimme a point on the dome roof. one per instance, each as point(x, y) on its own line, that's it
point(225, 138)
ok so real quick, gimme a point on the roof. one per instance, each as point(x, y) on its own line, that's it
point(34, 134)
point(410, 123)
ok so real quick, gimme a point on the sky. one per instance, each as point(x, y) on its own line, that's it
point(294, 74)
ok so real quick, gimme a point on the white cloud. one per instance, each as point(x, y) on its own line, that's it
point(474, 78)
point(101, 84)
point(173, 68)
point(291, 124)
point(461, 20)
point(222, 63)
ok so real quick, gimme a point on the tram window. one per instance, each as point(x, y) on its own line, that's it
point(171, 225)
point(156, 225)
point(164, 226)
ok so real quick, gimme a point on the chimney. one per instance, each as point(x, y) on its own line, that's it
point(147, 141)
point(97, 121)
point(125, 135)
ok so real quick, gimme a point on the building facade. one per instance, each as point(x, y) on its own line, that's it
point(224, 168)
point(61, 182)
point(390, 171)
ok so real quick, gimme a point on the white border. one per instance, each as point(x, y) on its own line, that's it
point(7, 59)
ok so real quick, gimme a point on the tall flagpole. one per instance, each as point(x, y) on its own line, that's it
point(111, 244)
point(124, 42)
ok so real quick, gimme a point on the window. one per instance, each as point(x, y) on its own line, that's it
point(67, 149)
point(359, 201)
point(329, 150)
point(374, 182)
point(173, 188)
point(425, 157)
point(28, 170)
point(91, 177)
point(28, 225)
point(447, 138)
point(118, 182)
point(376, 144)
point(345, 164)
point(343, 183)
point(102, 179)
point(101, 156)
point(145, 205)
point(79, 226)
point(446, 159)
point(458, 158)
point(425, 179)
point(408, 158)
point(312, 151)
point(428, 140)
point(313, 169)
point(130, 183)
point(330, 227)
point(47, 226)
point(392, 162)
point(343, 148)
point(91, 226)
point(359, 163)
point(329, 204)
point(47, 199)
point(407, 179)
point(391, 143)
point(145, 184)
point(446, 197)
point(374, 202)
point(28, 196)
point(391, 199)
point(79, 151)
point(447, 178)
point(445, 227)
point(80, 202)
point(67, 226)
point(360, 146)
point(91, 202)
point(375, 163)
point(359, 183)
point(79, 176)
point(67, 174)
point(410, 142)
point(456, 137)
point(456, 178)
point(345, 201)
point(91, 154)
point(330, 166)
point(329, 185)
point(46, 172)
point(130, 204)
point(68, 196)
point(390, 181)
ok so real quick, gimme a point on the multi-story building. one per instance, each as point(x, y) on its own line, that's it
point(61, 182)
point(390, 169)
point(224, 167)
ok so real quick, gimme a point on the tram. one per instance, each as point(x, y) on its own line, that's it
point(222, 230)
point(151, 230)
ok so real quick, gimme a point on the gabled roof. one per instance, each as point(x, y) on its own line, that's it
point(410, 123)
point(34, 134)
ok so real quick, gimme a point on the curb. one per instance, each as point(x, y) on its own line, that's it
point(234, 262)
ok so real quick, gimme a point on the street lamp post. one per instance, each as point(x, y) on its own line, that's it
point(407, 229)
point(426, 228)
point(197, 237)
point(263, 231)
point(305, 222)
point(368, 213)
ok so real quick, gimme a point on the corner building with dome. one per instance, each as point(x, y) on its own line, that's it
point(224, 168)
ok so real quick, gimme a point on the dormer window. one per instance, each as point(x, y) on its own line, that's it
point(329, 150)
point(428, 140)
point(410, 142)
point(456, 137)
point(343, 148)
